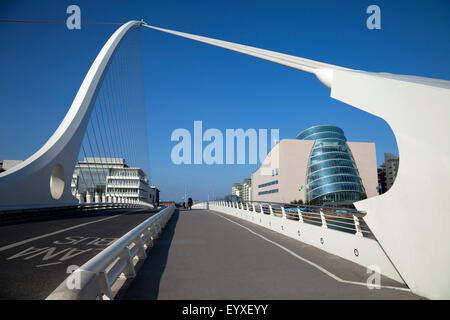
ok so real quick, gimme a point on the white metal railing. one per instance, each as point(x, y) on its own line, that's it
point(341, 219)
point(120, 203)
point(95, 278)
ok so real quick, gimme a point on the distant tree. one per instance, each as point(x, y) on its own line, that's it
point(297, 202)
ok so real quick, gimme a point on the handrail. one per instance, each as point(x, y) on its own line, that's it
point(81, 206)
point(95, 278)
point(62, 148)
point(306, 206)
point(341, 219)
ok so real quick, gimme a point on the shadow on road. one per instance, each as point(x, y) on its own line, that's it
point(146, 283)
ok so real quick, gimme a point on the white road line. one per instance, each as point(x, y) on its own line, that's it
point(13, 245)
point(315, 265)
point(48, 264)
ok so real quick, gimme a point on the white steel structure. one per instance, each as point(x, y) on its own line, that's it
point(410, 221)
point(44, 179)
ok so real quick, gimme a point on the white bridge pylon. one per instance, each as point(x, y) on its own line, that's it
point(44, 179)
point(410, 221)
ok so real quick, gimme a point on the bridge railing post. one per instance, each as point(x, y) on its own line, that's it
point(322, 217)
point(300, 216)
point(271, 210)
point(139, 243)
point(128, 270)
point(283, 212)
point(357, 226)
point(148, 237)
point(105, 288)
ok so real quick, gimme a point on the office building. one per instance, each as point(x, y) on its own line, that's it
point(247, 189)
point(388, 172)
point(105, 179)
point(319, 166)
point(243, 190)
point(236, 190)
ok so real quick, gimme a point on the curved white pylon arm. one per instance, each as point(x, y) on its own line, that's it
point(44, 178)
point(412, 220)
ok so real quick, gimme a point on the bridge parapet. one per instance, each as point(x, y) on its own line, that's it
point(97, 278)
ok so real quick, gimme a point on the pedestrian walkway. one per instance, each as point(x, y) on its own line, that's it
point(203, 254)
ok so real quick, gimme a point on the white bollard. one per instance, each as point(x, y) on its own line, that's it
point(88, 197)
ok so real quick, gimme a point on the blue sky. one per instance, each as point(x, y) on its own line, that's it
point(42, 67)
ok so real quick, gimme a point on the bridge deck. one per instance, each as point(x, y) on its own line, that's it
point(35, 254)
point(207, 255)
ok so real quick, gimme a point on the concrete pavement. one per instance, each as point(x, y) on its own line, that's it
point(34, 255)
point(208, 255)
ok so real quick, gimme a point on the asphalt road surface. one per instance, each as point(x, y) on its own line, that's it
point(208, 255)
point(35, 255)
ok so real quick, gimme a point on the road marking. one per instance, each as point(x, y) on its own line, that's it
point(315, 265)
point(48, 264)
point(13, 245)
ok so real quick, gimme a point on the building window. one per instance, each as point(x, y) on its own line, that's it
point(268, 191)
point(268, 184)
point(332, 175)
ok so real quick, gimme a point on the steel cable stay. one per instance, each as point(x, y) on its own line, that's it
point(113, 130)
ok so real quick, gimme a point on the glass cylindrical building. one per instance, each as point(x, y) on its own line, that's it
point(332, 175)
